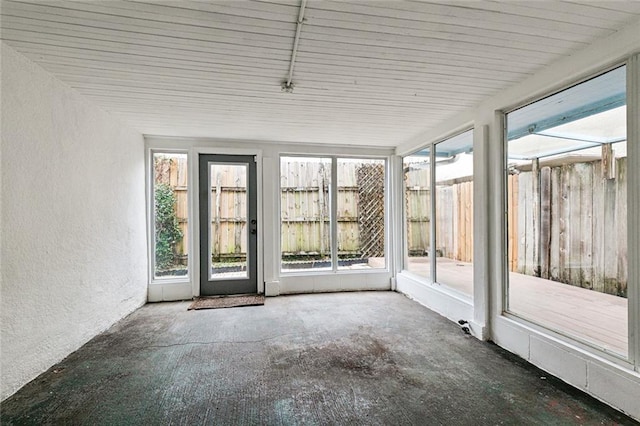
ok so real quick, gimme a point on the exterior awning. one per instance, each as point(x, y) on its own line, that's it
point(586, 115)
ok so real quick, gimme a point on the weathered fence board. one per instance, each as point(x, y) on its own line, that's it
point(304, 206)
point(417, 207)
point(445, 217)
point(513, 193)
point(465, 238)
point(418, 218)
point(454, 214)
point(618, 281)
point(583, 225)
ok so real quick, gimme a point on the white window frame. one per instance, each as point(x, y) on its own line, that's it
point(333, 210)
point(151, 231)
point(633, 204)
point(632, 361)
point(432, 280)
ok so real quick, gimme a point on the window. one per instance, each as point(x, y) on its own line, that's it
point(567, 212)
point(361, 214)
point(304, 212)
point(454, 213)
point(417, 208)
point(228, 234)
point(332, 213)
point(439, 213)
point(170, 246)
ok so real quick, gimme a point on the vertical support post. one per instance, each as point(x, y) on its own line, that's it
point(633, 200)
point(432, 221)
point(499, 269)
point(535, 231)
point(238, 219)
point(481, 216)
point(396, 226)
point(545, 222)
point(333, 217)
point(321, 208)
point(218, 211)
point(608, 162)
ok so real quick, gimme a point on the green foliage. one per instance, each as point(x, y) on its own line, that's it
point(168, 233)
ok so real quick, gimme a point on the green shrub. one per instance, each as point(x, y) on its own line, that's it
point(168, 233)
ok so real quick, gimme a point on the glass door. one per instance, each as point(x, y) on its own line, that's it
point(228, 224)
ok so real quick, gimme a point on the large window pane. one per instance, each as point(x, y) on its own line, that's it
point(361, 213)
point(417, 210)
point(304, 210)
point(170, 215)
point(454, 213)
point(567, 212)
point(228, 230)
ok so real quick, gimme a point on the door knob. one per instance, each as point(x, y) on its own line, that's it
point(254, 231)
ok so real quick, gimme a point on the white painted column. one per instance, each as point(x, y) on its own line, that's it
point(496, 272)
point(271, 225)
point(396, 233)
point(633, 206)
point(480, 230)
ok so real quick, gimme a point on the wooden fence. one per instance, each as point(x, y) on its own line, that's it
point(173, 172)
point(580, 215)
point(228, 212)
point(573, 232)
point(305, 207)
point(570, 225)
point(454, 215)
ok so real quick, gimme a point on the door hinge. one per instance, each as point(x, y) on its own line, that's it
point(255, 158)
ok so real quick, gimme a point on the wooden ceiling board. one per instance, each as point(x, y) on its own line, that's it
point(435, 15)
point(442, 53)
point(313, 77)
point(367, 72)
point(583, 13)
point(416, 98)
point(373, 34)
point(629, 7)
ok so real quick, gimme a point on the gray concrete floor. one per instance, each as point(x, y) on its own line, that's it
point(351, 358)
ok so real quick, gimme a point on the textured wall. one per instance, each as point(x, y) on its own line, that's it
point(73, 221)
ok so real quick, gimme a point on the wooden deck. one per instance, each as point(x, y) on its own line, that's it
point(589, 315)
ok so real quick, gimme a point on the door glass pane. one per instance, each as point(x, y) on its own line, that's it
point(417, 211)
point(567, 212)
point(170, 184)
point(454, 213)
point(361, 213)
point(304, 209)
point(228, 212)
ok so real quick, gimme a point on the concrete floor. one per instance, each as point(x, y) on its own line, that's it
point(351, 358)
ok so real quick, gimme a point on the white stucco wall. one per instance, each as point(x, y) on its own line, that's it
point(73, 221)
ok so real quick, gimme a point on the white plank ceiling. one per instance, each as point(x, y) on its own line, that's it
point(367, 72)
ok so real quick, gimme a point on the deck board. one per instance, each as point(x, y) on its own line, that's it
point(598, 318)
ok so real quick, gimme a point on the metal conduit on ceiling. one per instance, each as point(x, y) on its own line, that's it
point(287, 85)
